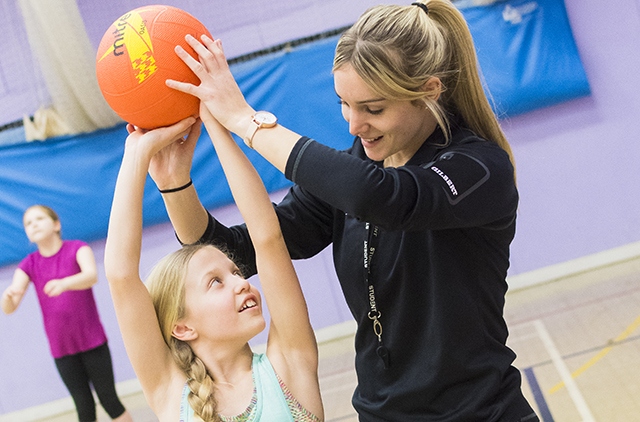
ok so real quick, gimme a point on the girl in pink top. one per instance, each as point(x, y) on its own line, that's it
point(63, 272)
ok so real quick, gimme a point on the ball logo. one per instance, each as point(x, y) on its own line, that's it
point(135, 58)
point(131, 35)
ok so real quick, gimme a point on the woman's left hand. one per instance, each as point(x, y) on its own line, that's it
point(218, 89)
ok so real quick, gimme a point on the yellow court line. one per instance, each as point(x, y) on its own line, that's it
point(626, 333)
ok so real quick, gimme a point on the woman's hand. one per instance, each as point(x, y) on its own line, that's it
point(218, 89)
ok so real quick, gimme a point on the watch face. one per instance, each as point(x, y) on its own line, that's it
point(265, 118)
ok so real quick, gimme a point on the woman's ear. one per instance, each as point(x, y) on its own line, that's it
point(183, 332)
point(432, 88)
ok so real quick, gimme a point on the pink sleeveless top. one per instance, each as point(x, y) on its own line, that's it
point(71, 319)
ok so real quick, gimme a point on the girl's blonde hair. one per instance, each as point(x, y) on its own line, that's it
point(166, 284)
point(397, 49)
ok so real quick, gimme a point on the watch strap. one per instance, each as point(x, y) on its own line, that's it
point(259, 120)
point(251, 131)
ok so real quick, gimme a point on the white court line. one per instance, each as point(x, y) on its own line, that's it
point(520, 338)
point(564, 372)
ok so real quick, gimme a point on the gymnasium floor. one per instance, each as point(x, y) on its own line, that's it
point(578, 346)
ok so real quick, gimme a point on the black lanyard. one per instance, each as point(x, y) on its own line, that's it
point(370, 244)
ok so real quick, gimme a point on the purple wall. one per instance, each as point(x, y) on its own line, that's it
point(577, 174)
point(578, 163)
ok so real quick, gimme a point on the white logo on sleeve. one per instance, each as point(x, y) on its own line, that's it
point(449, 182)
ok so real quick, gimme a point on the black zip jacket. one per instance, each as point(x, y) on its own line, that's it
point(446, 220)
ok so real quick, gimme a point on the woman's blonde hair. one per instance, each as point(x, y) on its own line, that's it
point(166, 284)
point(397, 49)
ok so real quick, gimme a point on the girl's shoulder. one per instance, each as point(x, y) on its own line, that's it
point(74, 243)
point(71, 247)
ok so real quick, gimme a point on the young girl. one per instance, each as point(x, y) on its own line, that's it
point(187, 336)
point(63, 272)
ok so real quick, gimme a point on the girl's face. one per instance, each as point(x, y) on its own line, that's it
point(390, 130)
point(39, 226)
point(220, 304)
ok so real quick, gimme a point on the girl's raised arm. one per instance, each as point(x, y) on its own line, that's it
point(149, 355)
point(291, 345)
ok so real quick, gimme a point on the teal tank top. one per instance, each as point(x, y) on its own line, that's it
point(269, 403)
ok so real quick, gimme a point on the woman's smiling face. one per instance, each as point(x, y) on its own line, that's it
point(390, 130)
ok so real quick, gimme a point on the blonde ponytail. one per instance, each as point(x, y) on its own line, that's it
point(465, 89)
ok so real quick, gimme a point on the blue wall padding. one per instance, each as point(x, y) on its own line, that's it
point(73, 175)
point(76, 175)
point(527, 53)
point(527, 65)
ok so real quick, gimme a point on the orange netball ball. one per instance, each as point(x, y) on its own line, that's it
point(135, 58)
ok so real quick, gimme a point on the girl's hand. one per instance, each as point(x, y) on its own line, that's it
point(153, 141)
point(12, 293)
point(54, 288)
point(218, 89)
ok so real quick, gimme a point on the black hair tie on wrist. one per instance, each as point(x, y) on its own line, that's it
point(421, 6)
point(183, 187)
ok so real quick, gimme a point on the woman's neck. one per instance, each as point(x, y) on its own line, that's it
point(50, 246)
point(402, 157)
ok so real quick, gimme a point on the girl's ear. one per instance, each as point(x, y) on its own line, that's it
point(433, 88)
point(58, 227)
point(183, 332)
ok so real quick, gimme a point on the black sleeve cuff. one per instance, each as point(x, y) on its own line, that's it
point(294, 157)
point(208, 234)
